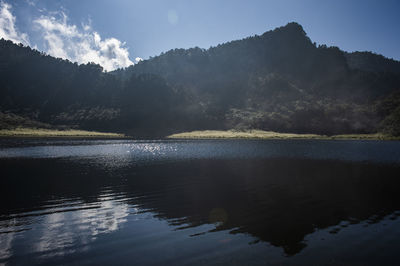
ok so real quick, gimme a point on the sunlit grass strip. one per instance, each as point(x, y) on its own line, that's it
point(36, 132)
point(260, 134)
point(375, 136)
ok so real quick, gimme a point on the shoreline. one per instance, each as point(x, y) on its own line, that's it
point(261, 134)
point(198, 134)
point(54, 133)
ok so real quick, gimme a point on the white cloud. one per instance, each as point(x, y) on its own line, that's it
point(8, 30)
point(68, 41)
point(30, 2)
point(81, 45)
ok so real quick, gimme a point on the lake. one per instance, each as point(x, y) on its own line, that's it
point(199, 202)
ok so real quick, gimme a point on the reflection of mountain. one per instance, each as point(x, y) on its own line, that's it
point(279, 201)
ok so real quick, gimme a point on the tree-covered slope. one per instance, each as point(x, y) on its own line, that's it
point(39, 87)
point(282, 81)
point(278, 81)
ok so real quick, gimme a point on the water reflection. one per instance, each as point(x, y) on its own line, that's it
point(60, 207)
point(61, 230)
point(279, 201)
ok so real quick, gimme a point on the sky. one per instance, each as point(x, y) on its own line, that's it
point(119, 33)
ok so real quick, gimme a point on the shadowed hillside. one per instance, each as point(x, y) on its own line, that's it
point(279, 81)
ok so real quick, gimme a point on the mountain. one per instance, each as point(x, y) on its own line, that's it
point(278, 81)
point(41, 88)
point(371, 62)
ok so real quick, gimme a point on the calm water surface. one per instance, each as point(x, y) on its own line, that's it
point(210, 202)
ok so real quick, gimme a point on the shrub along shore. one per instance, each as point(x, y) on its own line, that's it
point(42, 132)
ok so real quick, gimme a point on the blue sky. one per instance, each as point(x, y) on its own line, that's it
point(116, 32)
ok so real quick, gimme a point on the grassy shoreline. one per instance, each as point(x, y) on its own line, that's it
point(260, 134)
point(199, 134)
point(41, 132)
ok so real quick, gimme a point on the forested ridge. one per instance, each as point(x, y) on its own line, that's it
point(279, 81)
